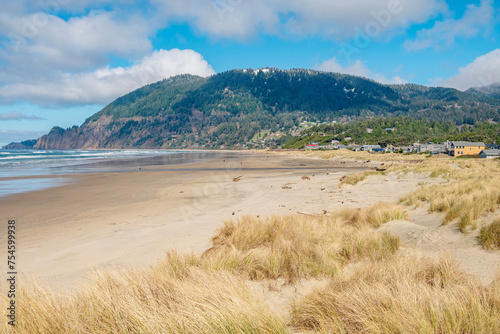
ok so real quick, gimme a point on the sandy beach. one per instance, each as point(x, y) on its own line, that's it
point(134, 218)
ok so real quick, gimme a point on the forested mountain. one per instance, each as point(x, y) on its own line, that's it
point(490, 91)
point(232, 107)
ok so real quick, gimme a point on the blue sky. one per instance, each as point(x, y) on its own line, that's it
point(63, 60)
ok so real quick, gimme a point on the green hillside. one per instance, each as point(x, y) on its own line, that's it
point(230, 108)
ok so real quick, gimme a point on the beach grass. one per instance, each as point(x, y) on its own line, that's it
point(296, 247)
point(191, 293)
point(489, 236)
point(364, 156)
point(175, 296)
point(470, 188)
point(354, 179)
point(401, 294)
point(473, 190)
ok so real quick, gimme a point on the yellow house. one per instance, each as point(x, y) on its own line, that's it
point(459, 148)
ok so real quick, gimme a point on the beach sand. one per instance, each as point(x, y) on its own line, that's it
point(134, 218)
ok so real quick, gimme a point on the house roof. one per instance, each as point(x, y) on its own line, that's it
point(467, 143)
point(490, 152)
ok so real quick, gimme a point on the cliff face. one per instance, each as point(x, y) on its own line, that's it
point(89, 136)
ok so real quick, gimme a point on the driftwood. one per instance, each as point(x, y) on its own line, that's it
point(305, 177)
point(236, 179)
point(308, 214)
point(383, 169)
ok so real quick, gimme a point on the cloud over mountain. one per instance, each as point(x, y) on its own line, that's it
point(483, 71)
point(107, 83)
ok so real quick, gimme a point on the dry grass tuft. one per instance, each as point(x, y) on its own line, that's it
point(402, 294)
point(175, 296)
point(295, 247)
point(354, 179)
point(489, 236)
point(374, 216)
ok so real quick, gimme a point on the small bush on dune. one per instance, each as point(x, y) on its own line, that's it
point(489, 236)
point(402, 294)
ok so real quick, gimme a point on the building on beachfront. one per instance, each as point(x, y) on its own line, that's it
point(430, 148)
point(489, 154)
point(435, 149)
point(370, 148)
point(460, 148)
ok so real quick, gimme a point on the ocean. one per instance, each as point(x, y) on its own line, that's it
point(30, 170)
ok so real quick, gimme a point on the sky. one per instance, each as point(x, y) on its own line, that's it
point(61, 61)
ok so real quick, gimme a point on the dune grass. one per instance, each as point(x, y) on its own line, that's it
point(473, 190)
point(190, 293)
point(365, 156)
point(296, 247)
point(489, 237)
point(401, 294)
point(175, 296)
point(354, 179)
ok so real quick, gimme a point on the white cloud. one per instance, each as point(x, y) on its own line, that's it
point(332, 19)
point(358, 68)
point(106, 84)
point(42, 40)
point(483, 71)
point(476, 19)
point(17, 116)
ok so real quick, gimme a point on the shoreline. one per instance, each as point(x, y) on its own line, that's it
point(47, 168)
